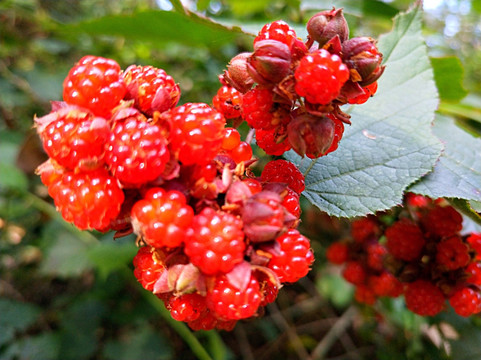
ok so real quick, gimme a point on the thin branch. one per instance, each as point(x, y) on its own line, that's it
point(330, 338)
point(311, 165)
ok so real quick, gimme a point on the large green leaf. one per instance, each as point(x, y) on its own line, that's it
point(458, 172)
point(448, 74)
point(390, 144)
point(159, 27)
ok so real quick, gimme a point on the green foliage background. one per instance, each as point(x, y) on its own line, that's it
point(66, 294)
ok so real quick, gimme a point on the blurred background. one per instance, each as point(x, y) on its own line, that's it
point(66, 294)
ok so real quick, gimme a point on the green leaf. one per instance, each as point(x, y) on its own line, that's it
point(448, 74)
point(65, 254)
point(467, 209)
point(159, 27)
point(15, 317)
point(40, 347)
point(458, 172)
point(12, 178)
point(334, 288)
point(109, 256)
point(390, 144)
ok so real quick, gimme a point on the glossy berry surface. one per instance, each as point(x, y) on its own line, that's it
point(231, 303)
point(337, 253)
point(148, 267)
point(94, 83)
point(228, 101)
point(187, 307)
point(136, 151)
point(292, 257)
point(424, 298)
point(278, 30)
point(443, 221)
point(320, 76)
point(89, 200)
point(271, 143)
point(151, 88)
point(197, 133)
point(452, 253)
point(466, 301)
point(162, 217)
point(217, 242)
point(284, 172)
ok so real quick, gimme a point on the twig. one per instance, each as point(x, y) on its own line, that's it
point(330, 338)
point(292, 335)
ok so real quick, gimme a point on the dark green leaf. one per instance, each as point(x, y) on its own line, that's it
point(15, 316)
point(390, 144)
point(40, 347)
point(12, 178)
point(458, 172)
point(109, 256)
point(159, 27)
point(448, 74)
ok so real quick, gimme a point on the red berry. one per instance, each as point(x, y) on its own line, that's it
point(89, 200)
point(187, 307)
point(231, 139)
point(151, 88)
point(292, 256)
point(148, 266)
point(291, 203)
point(75, 139)
point(228, 101)
point(217, 242)
point(474, 273)
point(278, 30)
point(136, 152)
point(466, 301)
point(197, 133)
point(474, 241)
point(261, 112)
point(452, 253)
point(405, 240)
point(320, 76)
point(338, 132)
point(94, 83)
point(365, 229)
point(271, 142)
point(443, 221)
point(424, 298)
point(385, 284)
point(231, 303)
point(283, 171)
point(354, 272)
point(162, 218)
point(337, 253)
point(243, 152)
point(208, 321)
point(375, 256)
point(364, 295)
point(369, 91)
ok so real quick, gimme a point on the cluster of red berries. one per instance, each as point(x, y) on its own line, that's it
point(363, 259)
point(291, 91)
point(422, 254)
point(216, 242)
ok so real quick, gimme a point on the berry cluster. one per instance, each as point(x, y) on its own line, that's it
point(363, 256)
point(216, 242)
point(421, 254)
point(291, 91)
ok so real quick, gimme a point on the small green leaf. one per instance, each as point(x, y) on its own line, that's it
point(448, 74)
point(458, 172)
point(41, 347)
point(390, 144)
point(108, 256)
point(159, 27)
point(15, 316)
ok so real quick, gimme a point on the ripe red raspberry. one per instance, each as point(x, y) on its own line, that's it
point(162, 218)
point(187, 307)
point(405, 240)
point(136, 152)
point(338, 132)
point(474, 273)
point(320, 76)
point(261, 112)
point(89, 200)
point(283, 171)
point(365, 229)
point(271, 142)
point(148, 266)
point(228, 101)
point(364, 295)
point(231, 139)
point(243, 152)
point(354, 272)
point(278, 30)
point(337, 253)
point(197, 133)
point(292, 256)
point(75, 138)
point(269, 286)
point(151, 88)
point(443, 221)
point(291, 203)
point(369, 91)
point(208, 321)
point(466, 301)
point(416, 200)
point(231, 303)
point(424, 298)
point(375, 256)
point(217, 242)
point(94, 83)
point(385, 284)
point(452, 253)
point(50, 172)
point(474, 241)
